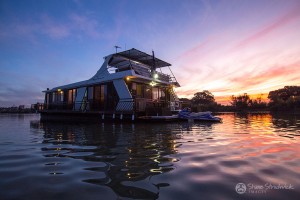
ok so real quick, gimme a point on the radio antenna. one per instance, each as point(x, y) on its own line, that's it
point(117, 47)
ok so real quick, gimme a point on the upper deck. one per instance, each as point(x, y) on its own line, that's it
point(143, 65)
point(132, 64)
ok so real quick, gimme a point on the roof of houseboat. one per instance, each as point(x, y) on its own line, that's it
point(139, 56)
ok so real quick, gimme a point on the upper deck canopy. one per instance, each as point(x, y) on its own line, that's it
point(139, 56)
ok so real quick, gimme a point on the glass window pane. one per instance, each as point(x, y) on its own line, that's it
point(61, 95)
point(90, 93)
point(74, 94)
point(53, 97)
point(155, 93)
point(70, 95)
point(133, 89)
point(148, 92)
point(162, 94)
point(139, 91)
point(97, 94)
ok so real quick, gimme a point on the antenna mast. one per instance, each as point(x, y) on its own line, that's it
point(153, 59)
point(117, 47)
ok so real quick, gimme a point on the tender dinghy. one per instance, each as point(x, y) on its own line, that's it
point(198, 116)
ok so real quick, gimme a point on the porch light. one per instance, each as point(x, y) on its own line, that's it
point(127, 78)
point(155, 76)
point(152, 83)
point(60, 91)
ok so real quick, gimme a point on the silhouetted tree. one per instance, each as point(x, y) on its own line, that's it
point(203, 101)
point(285, 99)
point(202, 98)
point(241, 102)
point(258, 104)
point(284, 93)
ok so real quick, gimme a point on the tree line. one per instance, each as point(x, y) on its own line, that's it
point(285, 99)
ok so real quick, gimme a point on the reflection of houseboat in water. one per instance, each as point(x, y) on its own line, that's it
point(128, 84)
point(112, 156)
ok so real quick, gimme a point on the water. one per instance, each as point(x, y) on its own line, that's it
point(150, 161)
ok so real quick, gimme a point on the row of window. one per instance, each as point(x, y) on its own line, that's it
point(140, 90)
point(97, 97)
point(104, 96)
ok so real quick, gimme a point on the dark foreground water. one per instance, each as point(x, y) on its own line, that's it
point(255, 155)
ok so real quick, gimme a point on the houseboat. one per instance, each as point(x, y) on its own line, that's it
point(129, 84)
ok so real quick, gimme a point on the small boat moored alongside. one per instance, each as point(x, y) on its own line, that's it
point(198, 116)
point(183, 115)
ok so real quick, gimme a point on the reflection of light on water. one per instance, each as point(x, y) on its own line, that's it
point(261, 123)
point(252, 123)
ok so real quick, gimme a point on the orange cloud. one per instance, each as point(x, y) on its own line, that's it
point(252, 80)
point(225, 100)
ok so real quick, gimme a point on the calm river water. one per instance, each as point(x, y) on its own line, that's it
point(245, 157)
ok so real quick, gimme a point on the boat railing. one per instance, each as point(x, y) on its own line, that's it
point(142, 104)
point(125, 105)
point(163, 77)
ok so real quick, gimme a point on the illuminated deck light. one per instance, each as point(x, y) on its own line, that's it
point(152, 83)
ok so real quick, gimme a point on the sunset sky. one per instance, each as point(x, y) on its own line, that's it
point(227, 47)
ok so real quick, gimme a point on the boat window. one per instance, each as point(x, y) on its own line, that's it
point(155, 93)
point(70, 95)
point(97, 94)
point(103, 93)
point(162, 94)
point(74, 94)
point(139, 90)
point(54, 97)
point(90, 93)
point(133, 88)
point(97, 97)
point(148, 92)
point(61, 96)
point(65, 95)
point(84, 101)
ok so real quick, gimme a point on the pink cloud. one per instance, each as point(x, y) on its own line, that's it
point(195, 50)
point(58, 31)
point(54, 29)
point(269, 28)
point(86, 25)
